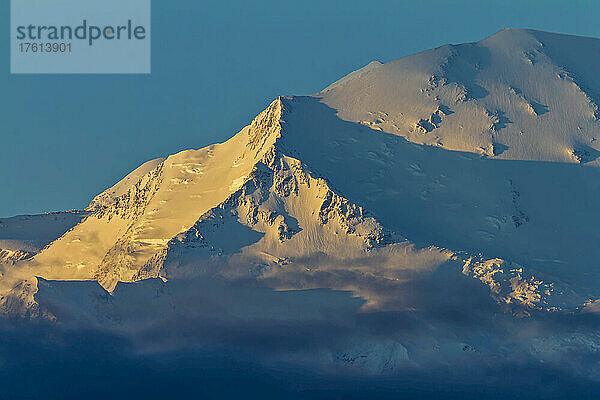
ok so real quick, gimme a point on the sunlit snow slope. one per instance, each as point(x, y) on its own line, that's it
point(481, 155)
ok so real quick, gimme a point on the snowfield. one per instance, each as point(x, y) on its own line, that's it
point(436, 210)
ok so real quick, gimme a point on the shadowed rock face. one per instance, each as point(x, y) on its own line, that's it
point(414, 213)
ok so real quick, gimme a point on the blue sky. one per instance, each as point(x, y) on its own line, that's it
point(215, 65)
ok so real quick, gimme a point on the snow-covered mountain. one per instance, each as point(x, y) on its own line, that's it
point(450, 176)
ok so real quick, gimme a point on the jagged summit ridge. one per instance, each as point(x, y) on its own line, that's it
point(453, 149)
point(119, 241)
point(165, 201)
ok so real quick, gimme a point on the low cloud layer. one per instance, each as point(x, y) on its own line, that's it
point(214, 338)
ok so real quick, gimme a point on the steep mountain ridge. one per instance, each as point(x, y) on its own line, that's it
point(121, 188)
point(465, 155)
point(296, 213)
point(125, 231)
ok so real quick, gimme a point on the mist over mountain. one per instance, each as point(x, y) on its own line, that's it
point(432, 218)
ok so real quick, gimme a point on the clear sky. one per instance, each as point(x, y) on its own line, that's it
point(215, 65)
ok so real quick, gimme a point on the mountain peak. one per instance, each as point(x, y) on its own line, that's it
point(265, 129)
point(406, 149)
point(513, 37)
point(485, 97)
